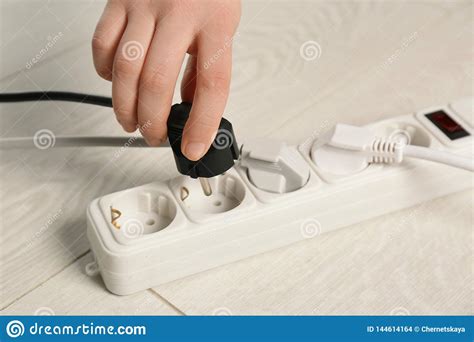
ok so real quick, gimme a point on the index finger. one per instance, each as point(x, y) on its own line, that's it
point(214, 68)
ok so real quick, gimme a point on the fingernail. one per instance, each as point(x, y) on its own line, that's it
point(129, 128)
point(194, 150)
point(155, 142)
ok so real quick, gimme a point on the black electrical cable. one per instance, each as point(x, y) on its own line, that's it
point(26, 142)
point(56, 96)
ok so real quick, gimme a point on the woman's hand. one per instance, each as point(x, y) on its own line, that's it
point(140, 46)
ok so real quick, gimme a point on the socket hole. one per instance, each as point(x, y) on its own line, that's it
point(143, 212)
point(228, 192)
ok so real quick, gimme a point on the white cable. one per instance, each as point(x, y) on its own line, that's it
point(439, 157)
point(73, 141)
point(376, 150)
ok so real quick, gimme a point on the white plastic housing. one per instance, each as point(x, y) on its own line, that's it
point(174, 238)
point(273, 166)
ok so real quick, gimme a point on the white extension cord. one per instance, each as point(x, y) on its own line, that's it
point(276, 195)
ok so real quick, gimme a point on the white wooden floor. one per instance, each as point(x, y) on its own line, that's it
point(378, 59)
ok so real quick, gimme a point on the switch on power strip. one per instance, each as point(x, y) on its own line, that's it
point(275, 195)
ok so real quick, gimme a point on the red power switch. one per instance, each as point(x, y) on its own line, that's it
point(447, 125)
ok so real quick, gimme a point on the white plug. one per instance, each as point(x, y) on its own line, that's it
point(342, 151)
point(273, 166)
point(346, 149)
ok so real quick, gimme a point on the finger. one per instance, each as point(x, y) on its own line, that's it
point(188, 83)
point(106, 38)
point(214, 68)
point(158, 79)
point(128, 64)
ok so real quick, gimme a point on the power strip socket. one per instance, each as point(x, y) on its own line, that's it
point(148, 235)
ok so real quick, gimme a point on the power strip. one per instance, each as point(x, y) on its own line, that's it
point(159, 232)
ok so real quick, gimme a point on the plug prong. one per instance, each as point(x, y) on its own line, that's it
point(206, 187)
point(184, 193)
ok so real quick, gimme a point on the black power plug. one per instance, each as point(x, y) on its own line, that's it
point(218, 159)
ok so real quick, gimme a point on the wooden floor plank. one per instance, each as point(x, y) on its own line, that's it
point(72, 292)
